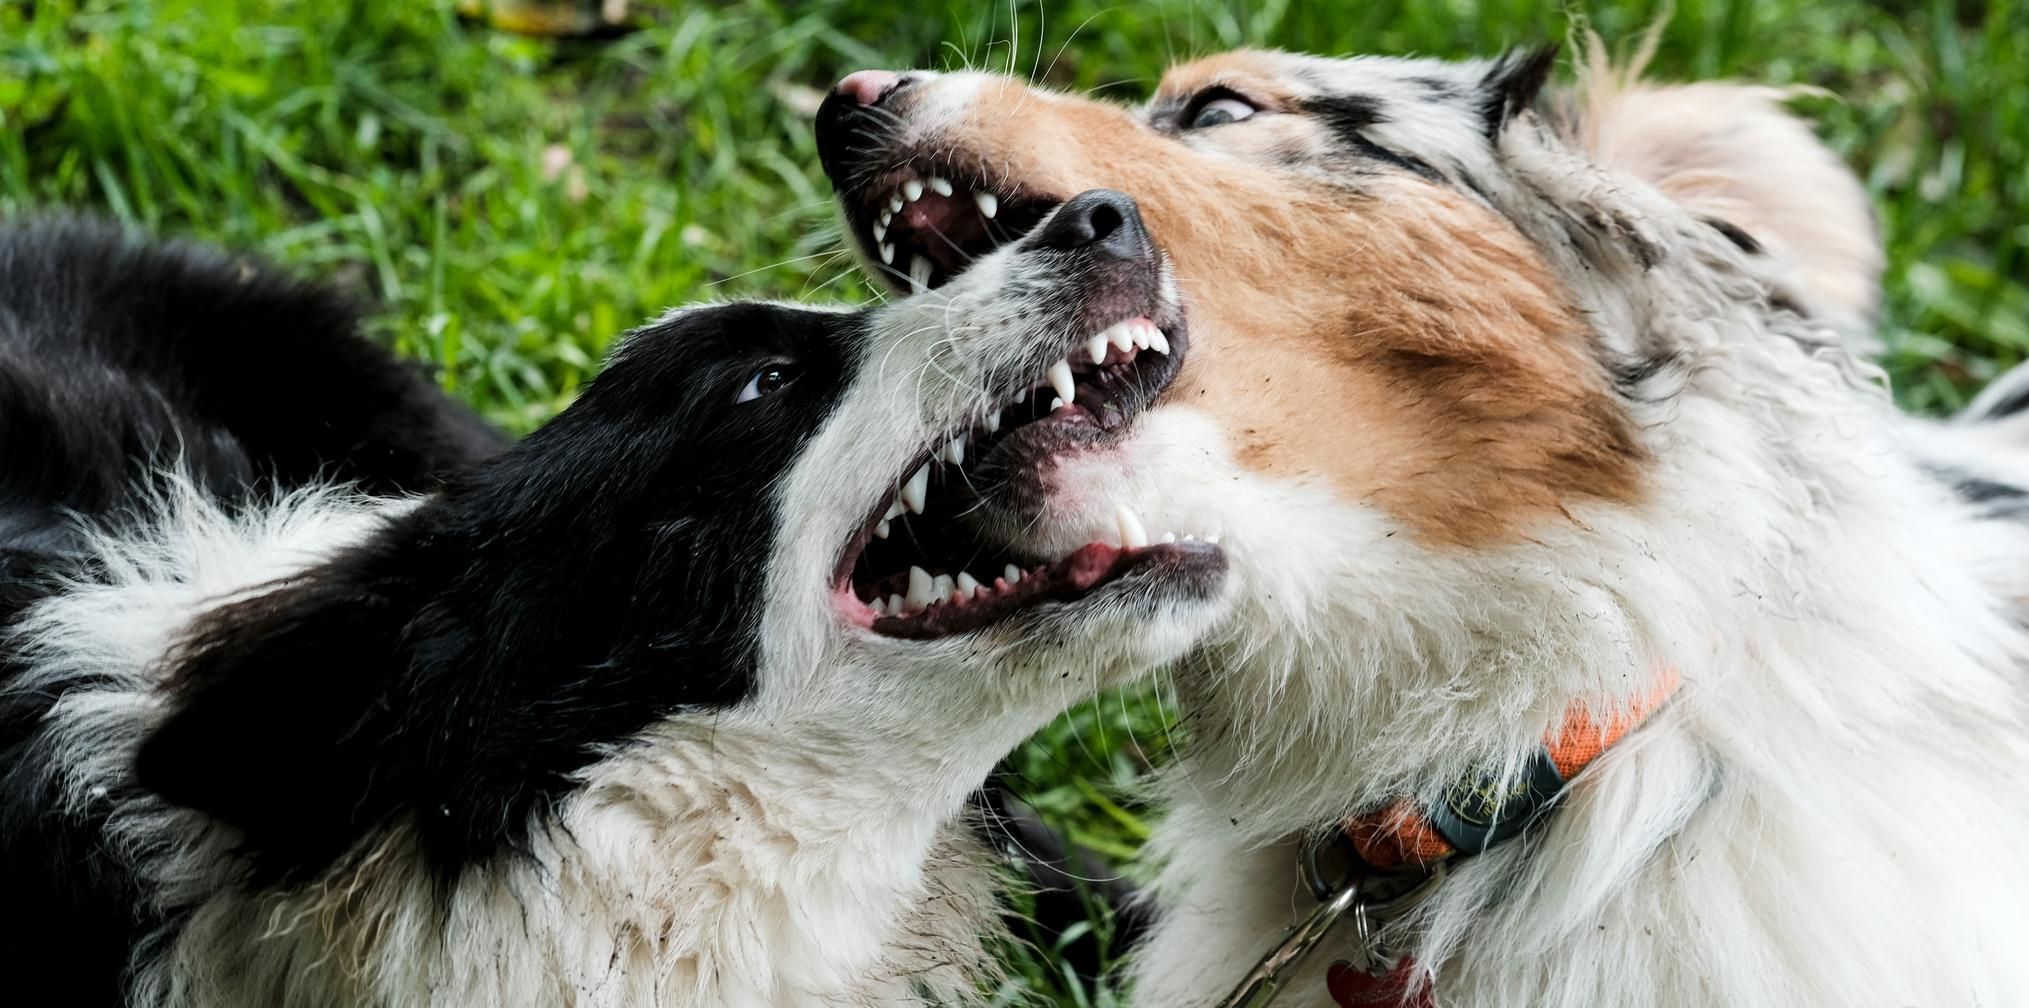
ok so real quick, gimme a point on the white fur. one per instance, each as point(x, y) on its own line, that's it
point(1812, 819)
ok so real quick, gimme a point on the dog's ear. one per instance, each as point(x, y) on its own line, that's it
point(270, 705)
point(1512, 83)
point(1734, 155)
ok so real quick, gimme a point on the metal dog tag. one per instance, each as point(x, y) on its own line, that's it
point(1264, 981)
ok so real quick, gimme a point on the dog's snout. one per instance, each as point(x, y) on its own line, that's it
point(868, 87)
point(1101, 221)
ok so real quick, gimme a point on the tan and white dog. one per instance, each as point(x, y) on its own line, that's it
point(1511, 404)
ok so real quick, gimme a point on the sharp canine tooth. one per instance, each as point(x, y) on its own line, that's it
point(920, 588)
point(1012, 574)
point(1096, 346)
point(912, 190)
point(967, 584)
point(881, 530)
point(954, 450)
point(919, 272)
point(887, 254)
point(992, 424)
point(895, 203)
point(917, 490)
point(880, 233)
point(1022, 397)
point(989, 204)
point(1121, 336)
point(1060, 380)
point(1157, 340)
point(940, 185)
point(1131, 534)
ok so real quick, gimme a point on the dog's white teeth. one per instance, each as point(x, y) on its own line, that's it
point(989, 204)
point(1060, 381)
point(881, 530)
point(1096, 346)
point(1123, 335)
point(940, 185)
point(1138, 336)
point(879, 606)
point(887, 217)
point(895, 203)
point(919, 273)
point(1132, 535)
point(887, 254)
point(880, 233)
point(992, 423)
point(941, 586)
point(1213, 539)
point(912, 190)
point(1056, 404)
point(967, 584)
point(895, 509)
point(1021, 397)
point(1157, 340)
point(954, 450)
point(1011, 574)
point(895, 605)
point(916, 492)
point(1168, 537)
point(921, 588)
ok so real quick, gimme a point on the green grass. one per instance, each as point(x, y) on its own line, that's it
point(513, 204)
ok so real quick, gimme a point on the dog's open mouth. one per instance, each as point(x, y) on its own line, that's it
point(917, 569)
point(923, 226)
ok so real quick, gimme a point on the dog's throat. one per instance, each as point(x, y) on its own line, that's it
point(1398, 855)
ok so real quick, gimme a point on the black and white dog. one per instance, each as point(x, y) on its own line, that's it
point(674, 702)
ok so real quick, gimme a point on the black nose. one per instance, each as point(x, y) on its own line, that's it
point(1100, 221)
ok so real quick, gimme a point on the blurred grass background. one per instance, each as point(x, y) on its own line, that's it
point(512, 203)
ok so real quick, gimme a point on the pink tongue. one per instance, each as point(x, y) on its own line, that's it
point(1090, 565)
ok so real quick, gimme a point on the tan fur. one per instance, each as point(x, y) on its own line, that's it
point(1401, 342)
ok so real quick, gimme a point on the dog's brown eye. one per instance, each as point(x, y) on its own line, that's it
point(1220, 111)
point(768, 381)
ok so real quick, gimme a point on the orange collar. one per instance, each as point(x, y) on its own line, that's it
point(1475, 816)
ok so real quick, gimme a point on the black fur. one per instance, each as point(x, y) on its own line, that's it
point(1512, 84)
point(448, 672)
point(117, 357)
point(1349, 116)
point(453, 671)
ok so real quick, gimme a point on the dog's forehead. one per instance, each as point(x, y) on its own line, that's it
point(1280, 78)
point(1261, 71)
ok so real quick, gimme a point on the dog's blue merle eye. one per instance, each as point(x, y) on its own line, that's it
point(1221, 111)
point(769, 380)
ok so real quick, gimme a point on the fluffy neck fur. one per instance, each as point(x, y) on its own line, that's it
point(1787, 820)
point(747, 858)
